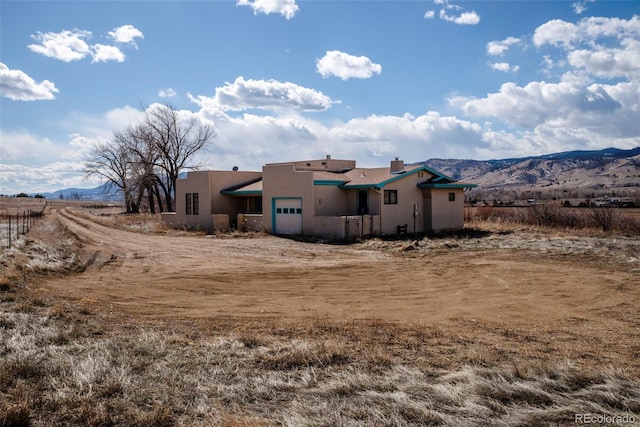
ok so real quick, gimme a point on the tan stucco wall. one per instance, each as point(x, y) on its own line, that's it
point(223, 204)
point(195, 182)
point(283, 180)
point(330, 200)
point(446, 215)
point(403, 212)
point(208, 185)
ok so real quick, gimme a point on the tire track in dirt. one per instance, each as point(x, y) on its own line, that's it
point(158, 276)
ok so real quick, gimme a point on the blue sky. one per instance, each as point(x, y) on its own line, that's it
point(287, 80)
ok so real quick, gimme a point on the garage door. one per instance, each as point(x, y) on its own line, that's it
point(288, 216)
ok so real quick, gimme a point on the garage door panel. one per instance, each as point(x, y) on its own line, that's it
point(288, 216)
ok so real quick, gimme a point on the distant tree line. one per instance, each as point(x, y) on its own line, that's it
point(144, 160)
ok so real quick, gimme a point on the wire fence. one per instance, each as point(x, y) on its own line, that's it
point(13, 225)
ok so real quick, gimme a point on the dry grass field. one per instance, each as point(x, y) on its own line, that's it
point(116, 320)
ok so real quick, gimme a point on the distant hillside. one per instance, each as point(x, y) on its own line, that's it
point(102, 192)
point(587, 172)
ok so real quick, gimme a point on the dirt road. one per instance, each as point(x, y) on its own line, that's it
point(270, 277)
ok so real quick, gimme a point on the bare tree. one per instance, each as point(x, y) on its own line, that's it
point(147, 159)
point(112, 161)
point(144, 159)
point(176, 140)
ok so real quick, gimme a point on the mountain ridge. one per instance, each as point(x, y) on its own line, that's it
point(588, 172)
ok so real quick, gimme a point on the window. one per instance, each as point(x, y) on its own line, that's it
point(196, 203)
point(390, 197)
point(254, 205)
point(192, 203)
point(188, 203)
point(452, 197)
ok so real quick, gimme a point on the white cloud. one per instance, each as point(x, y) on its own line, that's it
point(458, 17)
point(167, 93)
point(504, 67)
point(579, 7)
point(575, 104)
point(603, 47)
point(19, 146)
point(249, 140)
point(609, 62)
point(66, 45)
point(286, 8)
point(465, 18)
point(15, 178)
point(498, 48)
point(565, 34)
point(269, 95)
point(345, 66)
point(126, 34)
point(17, 85)
point(70, 46)
point(104, 53)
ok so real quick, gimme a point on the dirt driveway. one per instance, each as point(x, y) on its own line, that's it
point(271, 277)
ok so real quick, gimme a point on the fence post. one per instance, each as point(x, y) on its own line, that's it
point(9, 231)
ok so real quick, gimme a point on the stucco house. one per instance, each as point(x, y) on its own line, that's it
point(327, 197)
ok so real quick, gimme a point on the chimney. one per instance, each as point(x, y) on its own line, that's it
point(328, 156)
point(397, 166)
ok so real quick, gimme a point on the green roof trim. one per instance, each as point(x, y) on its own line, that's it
point(242, 193)
point(334, 182)
point(447, 185)
point(422, 168)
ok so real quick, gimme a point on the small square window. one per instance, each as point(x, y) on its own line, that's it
point(299, 211)
point(390, 197)
point(285, 210)
point(279, 210)
point(452, 197)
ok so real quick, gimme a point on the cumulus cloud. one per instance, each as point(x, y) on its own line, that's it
point(498, 48)
point(104, 53)
point(453, 13)
point(269, 95)
point(70, 46)
point(504, 66)
point(286, 8)
point(248, 140)
point(66, 45)
point(345, 66)
point(167, 93)
point(465, 18)
point(126, 34)
point(603, 47)
point(579, 7)
point(573, 103)
point(609, 62)
point(17, 85)
point(588, 30)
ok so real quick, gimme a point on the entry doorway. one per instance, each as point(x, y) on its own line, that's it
point(363, 202)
